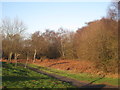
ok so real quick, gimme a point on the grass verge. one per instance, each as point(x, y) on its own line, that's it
point(85, 77)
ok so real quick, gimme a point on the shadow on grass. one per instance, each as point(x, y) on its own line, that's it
point(95, 80)
point(91, 85)
point(100, 86)
point(19, 78)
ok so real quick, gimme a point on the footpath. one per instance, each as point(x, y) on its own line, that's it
point(73, 82)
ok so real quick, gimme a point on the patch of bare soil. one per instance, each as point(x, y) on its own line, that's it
point(69, 65)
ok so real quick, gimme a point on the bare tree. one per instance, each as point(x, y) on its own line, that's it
point(26, 61)
point(113, 11)
point(35, 55)
point(52, 44)
point(62, 34)
point(16, 57)
point(10, 29)
point(98, 42)
point(27, 50)
point(38, 45)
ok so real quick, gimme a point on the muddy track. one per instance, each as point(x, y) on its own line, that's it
point(73, 82)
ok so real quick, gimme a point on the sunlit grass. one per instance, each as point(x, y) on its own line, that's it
point(19, 77)
point(81, 76)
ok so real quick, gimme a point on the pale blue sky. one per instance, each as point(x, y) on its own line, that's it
point(53, 15)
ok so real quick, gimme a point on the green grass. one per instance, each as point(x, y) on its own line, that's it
point(81, 76)
point(19, 77)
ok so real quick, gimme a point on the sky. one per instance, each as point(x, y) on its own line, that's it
point(39, 16)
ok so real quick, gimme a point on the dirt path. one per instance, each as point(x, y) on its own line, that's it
point(72, 66)
point(73, 82)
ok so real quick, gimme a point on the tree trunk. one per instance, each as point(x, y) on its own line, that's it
point(26, 61)
point(10, 56)
point(35, 56)
point(16, 57)
point(62, 48)
point(16, 63)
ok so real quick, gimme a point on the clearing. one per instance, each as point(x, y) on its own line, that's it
point(75, 70)
point(19, 77)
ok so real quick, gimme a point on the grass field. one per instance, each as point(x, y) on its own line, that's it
point(81, 76)
point(19, 77)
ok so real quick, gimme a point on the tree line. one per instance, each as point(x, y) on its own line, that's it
point(97, 42)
